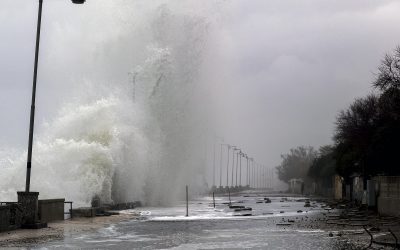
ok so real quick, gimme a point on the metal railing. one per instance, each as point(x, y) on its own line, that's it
point(70, 208)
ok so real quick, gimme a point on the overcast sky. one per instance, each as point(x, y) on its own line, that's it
point(288, 66)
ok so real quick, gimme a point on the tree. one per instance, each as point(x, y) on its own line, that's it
point(323, 167)
point(296, 163)
point(354, 134)
point(367, 134)
point(386, 139)
point(388, 76)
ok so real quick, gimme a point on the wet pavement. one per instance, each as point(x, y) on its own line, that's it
point(253, 221)
point(284, 223)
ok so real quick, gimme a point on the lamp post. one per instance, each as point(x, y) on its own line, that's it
point(213, 186)
point(27, 198)
point(237, 167)
point(233, 163)
point(220, 168)
point(254, 174)
point(265, 178)
point(250, 171)
point(240, 173)
point(227, 166)
point(247, 171)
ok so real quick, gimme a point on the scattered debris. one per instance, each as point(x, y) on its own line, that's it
point(236, 207)
point(242, 215)
point(243, 209)
point(283, 224)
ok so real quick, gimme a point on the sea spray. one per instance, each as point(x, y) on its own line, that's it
point(120, 139)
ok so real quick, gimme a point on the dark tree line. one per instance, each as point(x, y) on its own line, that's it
point(323, 167)
point(366, 136)
point(296, 163)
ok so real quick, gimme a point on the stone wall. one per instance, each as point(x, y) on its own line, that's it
point(51, 210)
point(388, 192)
point(338, 187)
point(358, 190)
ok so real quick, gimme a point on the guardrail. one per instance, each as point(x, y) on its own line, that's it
point(70, 208)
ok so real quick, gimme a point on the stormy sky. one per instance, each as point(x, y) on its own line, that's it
point(287, 67)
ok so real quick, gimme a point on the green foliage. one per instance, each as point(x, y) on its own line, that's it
point(296, 163)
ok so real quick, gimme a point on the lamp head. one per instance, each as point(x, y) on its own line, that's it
point(78, 1)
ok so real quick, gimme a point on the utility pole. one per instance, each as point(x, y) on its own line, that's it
point(227, 165)
point(214, 166)
point(240, 174)
point(220, 168)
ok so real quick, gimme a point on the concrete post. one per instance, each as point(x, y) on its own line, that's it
point(214, 199)
point(187, 201)
point(29, 203)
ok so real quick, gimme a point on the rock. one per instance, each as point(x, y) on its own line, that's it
point(236, 207)
point(283, 224)
point(267, 200)
point(330, 234)
point(299, 211)
point(243, 209)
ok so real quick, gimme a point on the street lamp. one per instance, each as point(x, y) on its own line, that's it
point(214, 158)
point(233, 163)
point(234, 148)
point(247, 169)
point(220, 164)
point(24, 197)
point(227, 165)
point(220, 168)
point(240, 173)
point(237, 167)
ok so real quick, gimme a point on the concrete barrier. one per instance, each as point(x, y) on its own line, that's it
point(51, 210)
point(84, 212)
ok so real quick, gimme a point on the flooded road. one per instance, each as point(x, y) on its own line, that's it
point(267, 226)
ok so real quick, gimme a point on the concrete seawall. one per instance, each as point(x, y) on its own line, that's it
point(51, 210)
point(4, 218)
